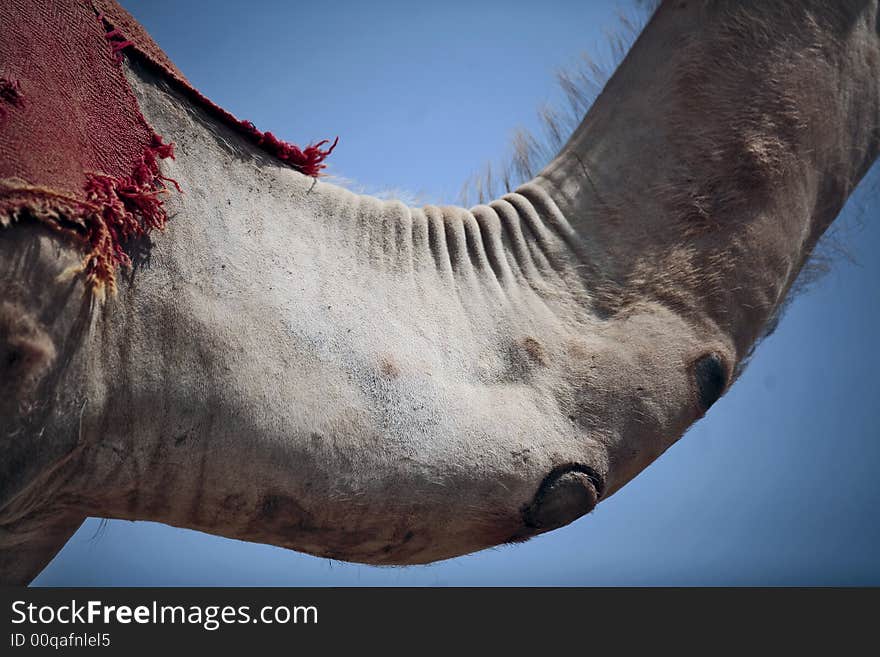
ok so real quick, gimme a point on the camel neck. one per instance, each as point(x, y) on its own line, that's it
point(719, 153)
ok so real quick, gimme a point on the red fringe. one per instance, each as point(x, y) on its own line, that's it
point(308, 161)
point(121, 208)
point(131, 207)
point(115, 38)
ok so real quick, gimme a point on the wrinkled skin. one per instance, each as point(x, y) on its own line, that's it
point(294, 364)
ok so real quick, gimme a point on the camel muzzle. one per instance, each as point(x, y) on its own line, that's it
point(567, 493)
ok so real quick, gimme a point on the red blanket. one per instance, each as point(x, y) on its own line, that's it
point(75, 151)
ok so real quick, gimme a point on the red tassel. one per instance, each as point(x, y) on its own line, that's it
point(309, 161)
point(130, 207)
point(117, 40)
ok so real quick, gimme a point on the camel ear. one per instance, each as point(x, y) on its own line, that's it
point(42, 321)
point(26, 356)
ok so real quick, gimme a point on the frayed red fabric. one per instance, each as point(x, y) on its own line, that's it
point(117, 42)
point(111, 211)
point(130, 207)
point(125, 32)
point(309, 161)
point(79, 156)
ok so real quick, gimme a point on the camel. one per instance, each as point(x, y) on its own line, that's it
point(366, 381)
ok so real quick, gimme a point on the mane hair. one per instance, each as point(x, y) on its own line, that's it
point(581, 83)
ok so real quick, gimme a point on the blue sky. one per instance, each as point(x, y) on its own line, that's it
point(777, 485)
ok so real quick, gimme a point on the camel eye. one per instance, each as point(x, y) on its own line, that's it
point(711, 375)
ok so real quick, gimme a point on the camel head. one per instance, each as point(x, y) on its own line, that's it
point(400, 452)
